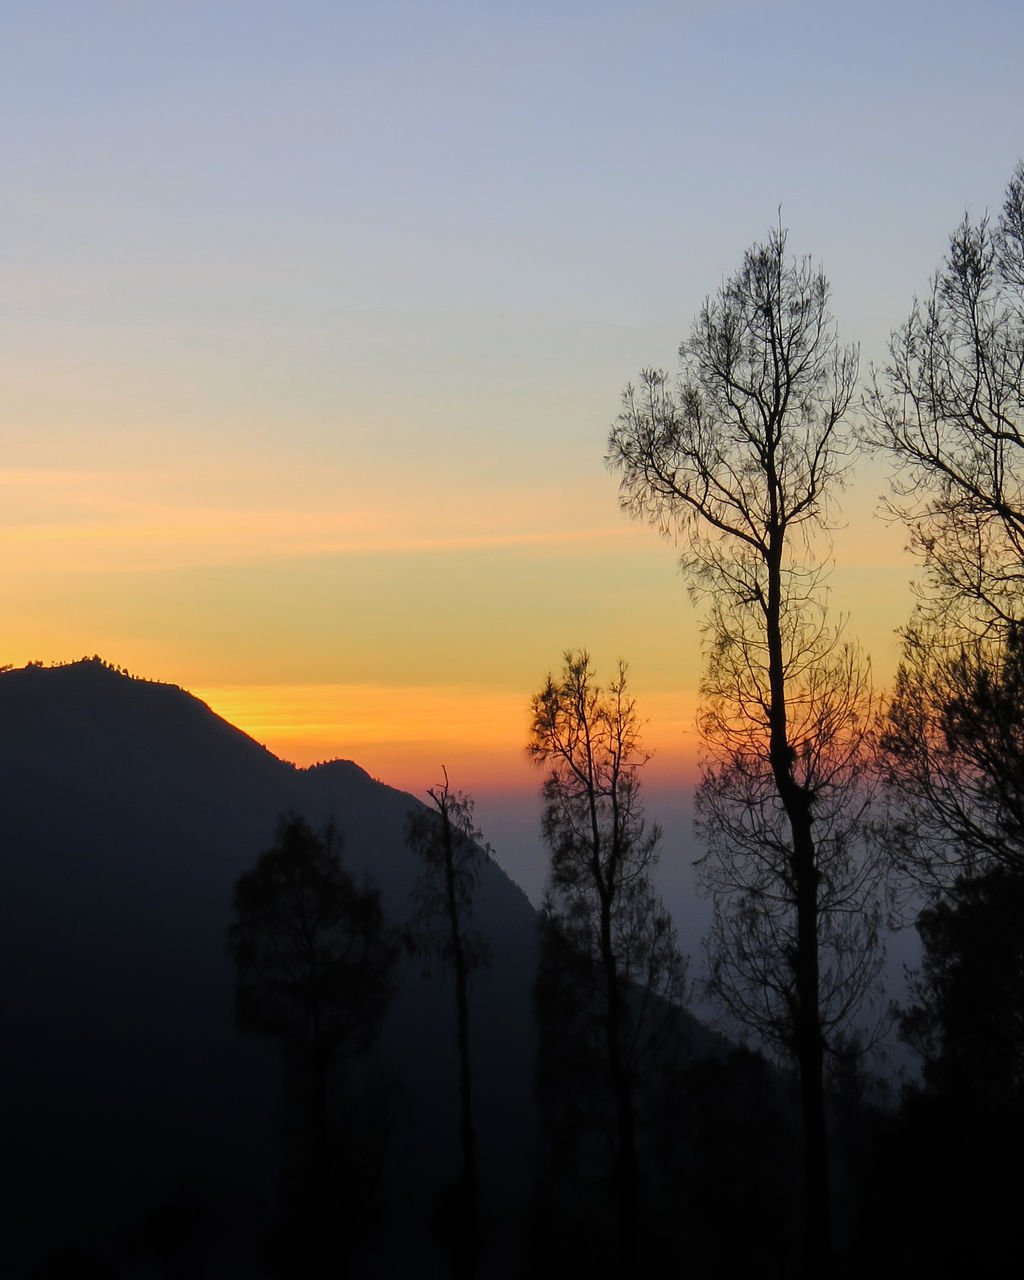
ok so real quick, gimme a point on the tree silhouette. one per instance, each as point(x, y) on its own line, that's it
point(611, 974)
point(948, 410)
point(742, 461)
point(952, 754)
point(963, 1124)
point(315, 965)
point(448, 845)
point(967, 1019)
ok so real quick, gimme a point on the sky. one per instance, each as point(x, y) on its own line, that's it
point(315, 317)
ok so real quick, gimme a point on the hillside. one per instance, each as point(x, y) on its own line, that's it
point(128, 810)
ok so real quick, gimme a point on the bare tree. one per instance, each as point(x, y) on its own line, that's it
point(450, 848)
point(607, 929)
point(742, 460)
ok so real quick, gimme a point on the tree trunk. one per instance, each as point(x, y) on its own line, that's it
point(807, 1031)
point(467, 1249)
point(625, 1159)
point(810, 1048)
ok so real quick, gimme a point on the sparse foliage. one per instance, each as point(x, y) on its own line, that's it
point(748, 863)
point(452, 852)
point(948, 409)
point(452, 855)
point(741, 460)
point(611, 975)
point(952, 753)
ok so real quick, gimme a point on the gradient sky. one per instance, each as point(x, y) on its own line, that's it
point(315, 316)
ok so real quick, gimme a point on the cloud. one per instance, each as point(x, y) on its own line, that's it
point(65, 521)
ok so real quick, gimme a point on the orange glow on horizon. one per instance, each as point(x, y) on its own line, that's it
point(404, 735)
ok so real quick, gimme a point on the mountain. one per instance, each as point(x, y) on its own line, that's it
point(128, 810)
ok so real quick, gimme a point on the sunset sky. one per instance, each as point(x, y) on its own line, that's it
point(316, 316)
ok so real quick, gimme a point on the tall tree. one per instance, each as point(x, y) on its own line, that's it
point(948, 411)
point(449, 846)
point(742, 461)
point(612, 965)
point(314, 963)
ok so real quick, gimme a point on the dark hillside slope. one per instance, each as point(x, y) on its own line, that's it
point(128, 810)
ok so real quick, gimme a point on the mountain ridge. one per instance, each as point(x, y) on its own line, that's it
point(128, 810)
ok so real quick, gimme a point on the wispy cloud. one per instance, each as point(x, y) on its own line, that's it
point(81, 522)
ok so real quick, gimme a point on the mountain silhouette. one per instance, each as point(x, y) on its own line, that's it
point(128, 810)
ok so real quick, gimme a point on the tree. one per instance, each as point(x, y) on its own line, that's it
point(742, 461)
point(611, 970)
point(748, 864)
point(314, 964)
point(964, 1121)
point(948, 409)
point(967, 1019)
point(448, 845)
point(952, 753)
